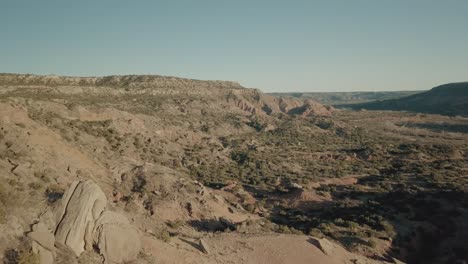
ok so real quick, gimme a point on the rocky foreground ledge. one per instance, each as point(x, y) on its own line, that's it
point(82, 222)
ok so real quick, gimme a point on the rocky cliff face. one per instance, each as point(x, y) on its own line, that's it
point(252, 101)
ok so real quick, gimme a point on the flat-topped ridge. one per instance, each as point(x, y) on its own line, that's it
point(124, 81)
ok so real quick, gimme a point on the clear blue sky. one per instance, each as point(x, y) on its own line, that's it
point(272, 45)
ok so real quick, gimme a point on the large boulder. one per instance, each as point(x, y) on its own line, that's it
point(117, 240)
point(81, 206)
point(82, 223)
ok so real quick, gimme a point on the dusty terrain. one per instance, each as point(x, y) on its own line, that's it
point(211, 172)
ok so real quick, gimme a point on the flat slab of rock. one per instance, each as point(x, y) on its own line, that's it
point(396, 261)
point(323, 244)
point(43, 245)
point(118, 241)
point(204, 246)
point(44, 239)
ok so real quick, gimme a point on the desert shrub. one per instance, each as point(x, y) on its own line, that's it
point(388, 228)
point(283, 229)
point(35, 185)
point(352, 225)
point(339, 222)
point(325, 124)
point(8, 143)
point(11, 256)
point(256, 124)
point(372, 243)
point(54, 192)
point(295, 231)
point(352, 243)
point(139, 183)
point(149, 259)
point(94, 128)
point(14, 182)
point(28, 258)
point(241, 157)
point(326, 228)
point(176, 224)
point(3, 205)
point(250, 208)
point(42, 176)
point(162, 234)
point(138, 143)
point(205, 128)
point(315, 232)
point(70, 105)
point(21, 255)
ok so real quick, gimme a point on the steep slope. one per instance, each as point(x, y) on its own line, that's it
point(448, 99)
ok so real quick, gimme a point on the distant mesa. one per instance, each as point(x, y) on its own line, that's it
point(341, 98)
point(448, 99)
point(127, 81)
point(250, 101)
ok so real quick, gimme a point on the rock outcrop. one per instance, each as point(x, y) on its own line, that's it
point(204, 246)
point(323, 244)
point(43, 244)
point(81, 206)
point(115, 237)
point(83, 223)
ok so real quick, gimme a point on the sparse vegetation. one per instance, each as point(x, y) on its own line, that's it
point(175, 224)
point(162, 234)
point(357, 178)
point(35, 185)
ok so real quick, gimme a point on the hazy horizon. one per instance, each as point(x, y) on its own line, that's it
point(275, 46)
